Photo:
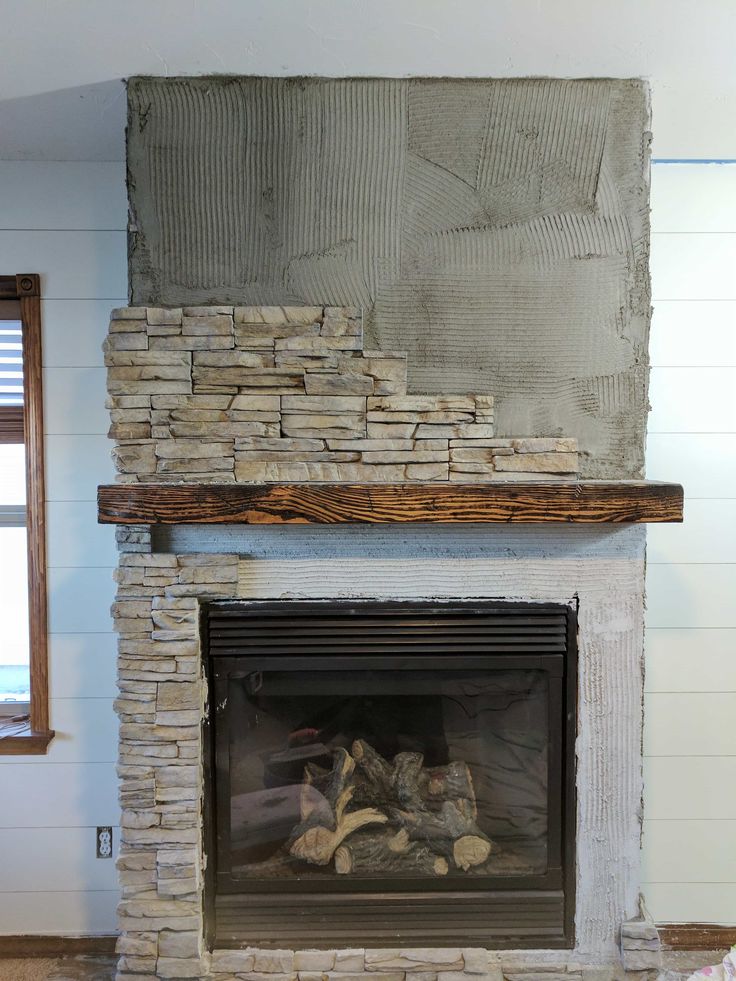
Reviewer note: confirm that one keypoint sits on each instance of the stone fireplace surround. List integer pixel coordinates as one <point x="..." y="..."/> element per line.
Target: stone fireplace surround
<point x="164" y="576"/>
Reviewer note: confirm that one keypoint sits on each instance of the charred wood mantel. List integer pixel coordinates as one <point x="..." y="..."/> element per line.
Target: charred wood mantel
<point x="573" y="501"/>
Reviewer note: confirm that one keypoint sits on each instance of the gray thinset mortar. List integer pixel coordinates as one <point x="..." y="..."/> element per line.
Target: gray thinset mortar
<point x="496" y="230"/>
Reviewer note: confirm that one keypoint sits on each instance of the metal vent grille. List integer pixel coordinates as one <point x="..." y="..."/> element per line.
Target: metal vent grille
<point x="506" y="920"/>
<point x="389" y="629"/>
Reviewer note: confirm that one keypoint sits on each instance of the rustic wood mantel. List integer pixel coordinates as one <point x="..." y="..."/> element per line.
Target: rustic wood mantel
<point x="573" y="501"/>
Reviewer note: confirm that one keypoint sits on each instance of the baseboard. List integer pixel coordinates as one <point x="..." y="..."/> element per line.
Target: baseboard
<point x="36" y="945"/>
<point x="696" y="936"/>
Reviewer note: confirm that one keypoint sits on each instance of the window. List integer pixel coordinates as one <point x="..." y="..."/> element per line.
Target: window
<point x="24" y="714"/>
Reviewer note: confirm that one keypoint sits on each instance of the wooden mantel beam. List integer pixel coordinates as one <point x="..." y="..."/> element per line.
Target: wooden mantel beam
<point x="585" y="501"/>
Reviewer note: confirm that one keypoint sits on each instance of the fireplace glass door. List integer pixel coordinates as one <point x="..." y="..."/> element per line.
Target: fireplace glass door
<point x="360" y="749"/>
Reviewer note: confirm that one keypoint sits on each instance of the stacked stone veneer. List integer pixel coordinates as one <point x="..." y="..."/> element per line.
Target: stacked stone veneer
<point x="269" y="394"/>
<point x="160" y="760"/>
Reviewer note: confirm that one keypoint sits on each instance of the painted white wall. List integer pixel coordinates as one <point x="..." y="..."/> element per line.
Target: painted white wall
<point x="54" y="883"/>
<point x="67" y="221"/>
<point x="690" y="705"/>
<point x="62" y="101"/>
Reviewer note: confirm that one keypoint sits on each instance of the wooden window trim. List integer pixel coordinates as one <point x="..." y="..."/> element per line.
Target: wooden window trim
<point x="33" y="735"/>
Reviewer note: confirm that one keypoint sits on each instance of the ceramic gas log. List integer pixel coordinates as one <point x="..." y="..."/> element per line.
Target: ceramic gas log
<point x="429" y="813"/>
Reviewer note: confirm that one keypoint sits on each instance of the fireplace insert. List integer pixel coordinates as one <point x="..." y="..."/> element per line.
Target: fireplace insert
<point x="384" y="773"/>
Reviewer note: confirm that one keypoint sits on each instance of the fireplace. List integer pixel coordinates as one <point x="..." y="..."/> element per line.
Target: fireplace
<point x="392" y="611"/>
<point x="391" y="773"/>
<point x="381" y="618"/>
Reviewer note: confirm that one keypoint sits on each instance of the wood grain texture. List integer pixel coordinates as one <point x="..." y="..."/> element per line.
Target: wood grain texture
<point x="29" y="294"/>
<point x="696" y="936"/>
<point x="33" y="945"/>
<point x="569" y="501"/>
<point x="19" y="739"/>
<point x="25" y="289"/>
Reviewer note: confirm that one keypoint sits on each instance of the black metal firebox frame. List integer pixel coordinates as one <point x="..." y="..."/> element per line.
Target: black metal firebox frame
<point x="509" y="911"/>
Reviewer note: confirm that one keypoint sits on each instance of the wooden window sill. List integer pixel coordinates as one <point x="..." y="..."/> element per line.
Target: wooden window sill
<point x="18" y="739"/>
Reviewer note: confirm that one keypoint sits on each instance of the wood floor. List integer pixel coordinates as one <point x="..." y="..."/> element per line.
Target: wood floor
<point x="79" y="968"/>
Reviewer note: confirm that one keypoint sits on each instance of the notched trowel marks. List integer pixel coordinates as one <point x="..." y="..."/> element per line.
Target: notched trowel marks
<point x="495" y="229"/>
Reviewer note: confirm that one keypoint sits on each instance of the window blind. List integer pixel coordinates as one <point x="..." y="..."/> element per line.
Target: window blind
<point x="11" y="381"/>
<point x="11" y="363"/>
<point x="12" y="516"/>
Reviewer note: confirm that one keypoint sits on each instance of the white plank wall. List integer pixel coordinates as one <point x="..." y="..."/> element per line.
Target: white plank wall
<point x="67" y="221"/>
<point x="689" y="849"/>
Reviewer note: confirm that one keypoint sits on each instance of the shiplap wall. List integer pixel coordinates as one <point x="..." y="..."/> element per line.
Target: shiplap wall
<point x="689" y="854"/>
<point x="66" y="220"/>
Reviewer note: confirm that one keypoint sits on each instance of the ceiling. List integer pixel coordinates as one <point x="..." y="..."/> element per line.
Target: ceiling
<point x="62" y="98"/>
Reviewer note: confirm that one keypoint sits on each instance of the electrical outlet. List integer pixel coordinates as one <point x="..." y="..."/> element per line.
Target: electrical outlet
<point x="104" y="842"/>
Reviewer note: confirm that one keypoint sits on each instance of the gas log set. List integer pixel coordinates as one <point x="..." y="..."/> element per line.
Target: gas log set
<point x="369" y="815"/>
